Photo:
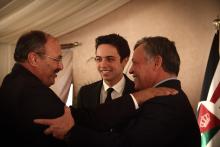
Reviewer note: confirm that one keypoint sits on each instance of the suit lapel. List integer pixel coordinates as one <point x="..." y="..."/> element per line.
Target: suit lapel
<point x="97" y="92"/>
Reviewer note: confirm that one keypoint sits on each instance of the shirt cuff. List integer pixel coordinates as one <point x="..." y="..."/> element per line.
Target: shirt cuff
<point x="135" y="102"/>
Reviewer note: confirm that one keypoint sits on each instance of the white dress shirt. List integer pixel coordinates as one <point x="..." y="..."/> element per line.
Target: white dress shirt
<point x="118" y="90"/>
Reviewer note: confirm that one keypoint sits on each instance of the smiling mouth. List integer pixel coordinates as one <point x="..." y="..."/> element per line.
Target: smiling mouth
<point x="105" y="71"/>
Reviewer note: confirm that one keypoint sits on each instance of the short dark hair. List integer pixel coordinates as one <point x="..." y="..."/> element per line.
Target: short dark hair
<point x="165" y="48"/>
<point x="29" y="42"/>
<point x="117" y="41"/>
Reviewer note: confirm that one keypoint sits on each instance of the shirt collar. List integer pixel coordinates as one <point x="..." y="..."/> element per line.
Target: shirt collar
<point x="118" y="87"/>
<point x="172" y="78"/>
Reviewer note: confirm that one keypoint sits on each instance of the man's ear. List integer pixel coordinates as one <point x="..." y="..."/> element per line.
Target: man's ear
<point x="32" y="58"/>
<point x="125" y="61"/>
<point x="158" y="62"/>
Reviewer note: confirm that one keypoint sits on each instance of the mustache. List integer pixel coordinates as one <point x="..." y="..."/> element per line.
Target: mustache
<point x="56" y="70"/>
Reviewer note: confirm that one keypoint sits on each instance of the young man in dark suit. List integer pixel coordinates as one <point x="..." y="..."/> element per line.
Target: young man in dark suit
<point x="161" y="121"/>
<point x="112" y="54"/>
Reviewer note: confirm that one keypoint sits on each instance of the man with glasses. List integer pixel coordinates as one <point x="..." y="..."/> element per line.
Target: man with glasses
<point x="25" y="92"/>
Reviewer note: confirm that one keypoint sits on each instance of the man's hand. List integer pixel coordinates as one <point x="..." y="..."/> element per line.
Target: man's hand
<point x="59" y="126"/>
<point x="146" y="94"/>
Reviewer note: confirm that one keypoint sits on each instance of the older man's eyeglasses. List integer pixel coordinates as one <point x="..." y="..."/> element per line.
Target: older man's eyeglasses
<point x="56" y="59"/>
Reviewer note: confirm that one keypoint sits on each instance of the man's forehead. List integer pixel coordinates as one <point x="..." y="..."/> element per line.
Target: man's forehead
<point x="107" y="54"/>
<point x="106" y="48"/>
<point x="138" y="53"/>
<point x="52" y="45"/>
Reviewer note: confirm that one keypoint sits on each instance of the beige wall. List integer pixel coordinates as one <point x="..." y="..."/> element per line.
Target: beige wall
<point x="6" y="59"/>
<point x="187" y="22"/>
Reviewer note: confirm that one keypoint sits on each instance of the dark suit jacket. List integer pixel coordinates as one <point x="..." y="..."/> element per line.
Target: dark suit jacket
<point x="89" y="95"/>
<point x="162" y="121"/>
<point x="89" y="98"/>
<point x="23" y="98"/>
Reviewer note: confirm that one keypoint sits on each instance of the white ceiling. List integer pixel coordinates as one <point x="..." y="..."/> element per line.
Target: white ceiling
<point x="56" y="17"/>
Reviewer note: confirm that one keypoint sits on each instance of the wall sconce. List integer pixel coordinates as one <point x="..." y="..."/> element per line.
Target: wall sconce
<point x="70" y="45"/>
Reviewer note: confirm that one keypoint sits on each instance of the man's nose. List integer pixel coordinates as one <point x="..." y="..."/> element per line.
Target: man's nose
<point x="60" y="65"/>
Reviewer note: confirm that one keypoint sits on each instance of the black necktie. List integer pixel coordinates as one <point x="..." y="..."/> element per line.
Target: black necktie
<point x="109" y="97"/>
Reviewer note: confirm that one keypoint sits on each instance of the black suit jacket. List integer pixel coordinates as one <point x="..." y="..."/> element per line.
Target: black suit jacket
<point x="89" y="98"/>
<point x="89" y="95"/>
<point x="162" y="121"/>
<point x="23" y="98"/>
